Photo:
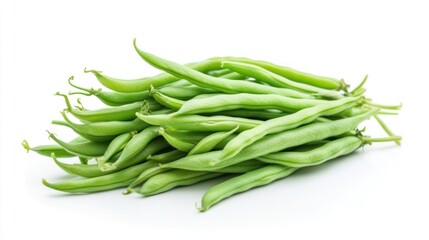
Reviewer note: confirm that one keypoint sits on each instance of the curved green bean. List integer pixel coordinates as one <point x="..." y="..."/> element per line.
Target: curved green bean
<point x="292" y="74"/>
<point x="46" y="150"/>
<point x="255" y="178"/>
<point x="142" y="84"/>
<point x="101" y="183"/>
<point x="222" y="102"/>
<point x="83" y="149"/>
<point x="165" y="181"/>
<point x="200" y="123"/>
<point x="220" y="84"/>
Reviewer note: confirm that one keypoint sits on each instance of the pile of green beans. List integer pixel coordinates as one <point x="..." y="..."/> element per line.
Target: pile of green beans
<point x="246" y="121"/>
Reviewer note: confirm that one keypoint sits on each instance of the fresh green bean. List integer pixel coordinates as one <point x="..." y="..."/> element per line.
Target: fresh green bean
<point x="137" y="143"/>
<point x="142" y="84"/>
<point x="209" y="142"/>
<point x="255" y="178"/>
<point x="318" y="155"/>
<point x="292" y="74"/>
<point x="111" y="98"/>
<point x="165" y="181"/>
<point x="251" y="114"/>
<point x="272" y="143"/>
<point x="200" y="123"/>
<point x="276" y="80"/>
<point x="83" y="149"/>
<point x="121" y="113"/>
<point x="222" y="102"/>
<point x="101" y="183"/>
<point x="110" y="128"/>
<point x="287" y="122"/>
<point x="218" y="73"/>
<point x="177" y="143"/>
<point x="220" y="84"/>
<point x="46" y="150"/>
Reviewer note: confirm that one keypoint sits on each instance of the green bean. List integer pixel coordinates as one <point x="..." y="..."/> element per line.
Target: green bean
<point x="220" y="84"/>
<point x="271" y="143"/>
<point x="83" y="149"/>
<point x="110" y="128"/>
<point x="255" y="178"/>
<point x="276" y="80"/>
<point x="142" y="84"/>
<point x="137" y="143"/>
<point x="178" y="177"/>
<point x="185" y="135"/>
<point x="287" y="122"/>
<point x="294" y="75"/>
<point x="167" y="156"/>
<point x="221" y="102"/>
<point x="116" y="146"/>
<point x="177" y="143"/>
<point x="46" y="150"/>
<point x="166" y="100"/>
<point x="234" y="76"/>
<point x="92" y="138"/>
<point x="111" y="98"/>
<point x="316" y="156"/>
<point x="209" y="142"/>
<point x="200" y="123"/>
<point x="101" y="183"/>
<point x="121" y="113"/>
<point x="93" y="170"/>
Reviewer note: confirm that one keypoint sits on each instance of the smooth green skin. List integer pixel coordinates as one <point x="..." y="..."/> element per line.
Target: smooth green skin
<point x="116" y="146"/>
<point x="90" y="171"/>
<point x="292" y="74"/>
<point x="121" y="113"/>
<point x="276" y="80"/>
<point x="165" y="100"/>
<point x="144" y="176"/>
<point x="218" y="73"/>
<point x="102" y="183"/>
<point x="177" y="143"/>
<point x="169" y="180"/>
<point x="242" y="183"/>
<point x="46" y="150"/>
<point x="210" y="142"/>
<point x="185" y="92"/>
<point x="220" y="84"/>
<point x="82" y="149"/>
<point x="137" y="143"/>
<point x="200" y="123"/>
<point x="142" y="84"/>
<point x="272" y="143"/>
<point x="304" y="116"/>
<point x="167" y="156"/>
<point x="316" y="156"/>
<point x="222" y="102"/>
<point x="102" y="129"/>
<point x="234" y="76"/>
<point x="251" y="114"/>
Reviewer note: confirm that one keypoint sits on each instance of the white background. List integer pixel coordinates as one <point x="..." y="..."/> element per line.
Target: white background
<point x="381" y="192"/>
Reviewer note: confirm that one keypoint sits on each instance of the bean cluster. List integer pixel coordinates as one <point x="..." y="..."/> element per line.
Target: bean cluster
<point x="252" y="121"/>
